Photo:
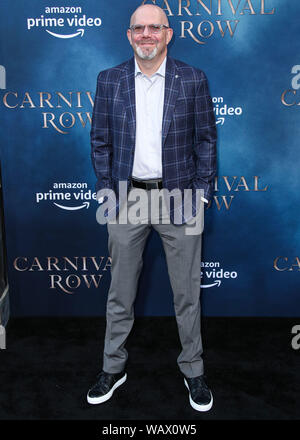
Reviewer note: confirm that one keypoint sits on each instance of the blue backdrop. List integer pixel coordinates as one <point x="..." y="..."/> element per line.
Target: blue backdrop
<point x="51" y="53"/>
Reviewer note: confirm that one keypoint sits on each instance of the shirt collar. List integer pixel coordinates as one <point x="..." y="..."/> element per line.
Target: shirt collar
<point x="161" y="70"/>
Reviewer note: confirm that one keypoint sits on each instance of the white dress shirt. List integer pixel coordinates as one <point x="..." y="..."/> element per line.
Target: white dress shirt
<point x="149" y="101"/>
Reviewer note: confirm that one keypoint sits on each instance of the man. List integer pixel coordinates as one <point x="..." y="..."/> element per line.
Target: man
<point x="153" y="127"/>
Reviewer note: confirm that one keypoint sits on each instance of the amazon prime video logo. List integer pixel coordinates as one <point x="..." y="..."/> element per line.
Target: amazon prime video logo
<point x="2" y="77"/>
<point x="63" y="21"/>
<point x="213" y="275"/>
<point x="222" y="110"/>
<point x="2" y="338"/>
<point x="69" y="196"/>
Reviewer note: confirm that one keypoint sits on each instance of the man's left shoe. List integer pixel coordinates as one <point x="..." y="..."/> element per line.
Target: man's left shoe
<point x="105" y="386"/>
<point x="201" y="398"/>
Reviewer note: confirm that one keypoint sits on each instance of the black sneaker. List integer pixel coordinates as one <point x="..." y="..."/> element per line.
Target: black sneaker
<point x="200" y="395"/>
<point x="105" y="386"/>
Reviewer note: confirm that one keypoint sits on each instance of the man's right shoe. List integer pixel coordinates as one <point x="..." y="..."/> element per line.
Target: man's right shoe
<point x="105" y="386"/>
<point x="200" y="396"/>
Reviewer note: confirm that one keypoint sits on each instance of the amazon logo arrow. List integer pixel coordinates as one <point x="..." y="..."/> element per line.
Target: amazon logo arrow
<point x="79" y="32"/>
<point x="216" y="283"/>
<point x="73" y="208"/>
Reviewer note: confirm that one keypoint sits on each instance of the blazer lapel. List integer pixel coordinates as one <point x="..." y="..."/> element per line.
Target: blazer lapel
<point x="128" y="92"/>
<point x="172" y="83"/>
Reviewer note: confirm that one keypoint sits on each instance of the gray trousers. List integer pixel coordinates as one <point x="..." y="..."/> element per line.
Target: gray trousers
<point x="183" y="254"/>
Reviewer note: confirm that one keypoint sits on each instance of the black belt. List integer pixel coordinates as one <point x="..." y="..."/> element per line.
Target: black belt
<point x="146" y="185"/>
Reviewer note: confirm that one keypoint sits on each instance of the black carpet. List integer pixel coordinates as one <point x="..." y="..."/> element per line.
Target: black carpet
<point x="50" y="363"/>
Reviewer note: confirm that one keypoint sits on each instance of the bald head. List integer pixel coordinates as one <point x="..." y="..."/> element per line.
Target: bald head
<point x="149" y="44"/>
<point x="145" y="9"/>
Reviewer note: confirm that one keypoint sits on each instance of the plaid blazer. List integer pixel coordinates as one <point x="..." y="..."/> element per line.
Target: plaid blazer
<point x="188" y="128"/>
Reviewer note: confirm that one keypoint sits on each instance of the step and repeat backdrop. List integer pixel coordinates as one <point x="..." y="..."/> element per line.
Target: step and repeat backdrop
<point x="51" y="54"/>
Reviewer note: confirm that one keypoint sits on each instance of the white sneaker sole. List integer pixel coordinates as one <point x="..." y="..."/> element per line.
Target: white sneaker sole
<point x="96" y="400"/>
<point x="195" y="405"/>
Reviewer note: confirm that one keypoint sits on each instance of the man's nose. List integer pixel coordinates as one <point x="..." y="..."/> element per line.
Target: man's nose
<point x="146" y="32"/>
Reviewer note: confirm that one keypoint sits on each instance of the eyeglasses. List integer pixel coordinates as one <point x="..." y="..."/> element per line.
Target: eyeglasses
<point x="152" y="28"/>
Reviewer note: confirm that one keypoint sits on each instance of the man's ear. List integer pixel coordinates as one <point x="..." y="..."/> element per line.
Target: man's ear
<point x="129" y="35"/>
<point x="170" y="35"/>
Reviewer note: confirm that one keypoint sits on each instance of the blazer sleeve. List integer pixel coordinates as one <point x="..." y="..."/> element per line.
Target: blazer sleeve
<point x="101" y="145"/>
<point x="205" y="139"/>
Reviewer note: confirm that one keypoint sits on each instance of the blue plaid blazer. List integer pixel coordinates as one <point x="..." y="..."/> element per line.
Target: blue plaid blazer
<point x="188" y="129"/>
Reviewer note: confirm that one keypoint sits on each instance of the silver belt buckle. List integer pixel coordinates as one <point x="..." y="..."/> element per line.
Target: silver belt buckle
<point x="152" y="185"/>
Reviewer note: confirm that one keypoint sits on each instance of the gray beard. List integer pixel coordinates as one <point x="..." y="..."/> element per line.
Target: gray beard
<point x="144" y="56"/>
